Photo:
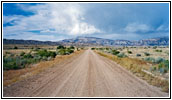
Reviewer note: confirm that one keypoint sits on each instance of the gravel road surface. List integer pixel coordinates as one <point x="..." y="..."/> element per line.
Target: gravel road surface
<point x="85" y="75"/>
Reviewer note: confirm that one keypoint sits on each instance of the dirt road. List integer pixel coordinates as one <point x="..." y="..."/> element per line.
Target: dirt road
<point x="86" y="75"/>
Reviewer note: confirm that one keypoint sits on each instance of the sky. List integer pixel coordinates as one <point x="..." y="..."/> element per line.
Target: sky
<point x="58" y="21"/>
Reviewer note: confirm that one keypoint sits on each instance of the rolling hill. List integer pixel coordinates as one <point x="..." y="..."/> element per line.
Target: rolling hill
<point x="93" y="41"/>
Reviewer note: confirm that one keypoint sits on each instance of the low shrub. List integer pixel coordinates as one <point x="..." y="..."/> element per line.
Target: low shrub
<point x="121" y="55"/>
<point x="51" y="54"/>
<point x="13" y="63"/>
<point x="101" y="48"/>
<point x="44" y="58"/>
<point x="147" y="54"/>
<point x="36" y="49"/>
<point x="158" y="50"/>
<point x="7" y="52"/>
<point x="134" y="66"/>
<point x="11" y="55"/>
<point x="163" y="67"/>
<point x="92" y="48"/>
<point x="61" y="52"/>
<point x="159" y="60"/>
<point x="69" y="51"/>
<point x="28" y="56"/>
<point x="115" y="52"/>
<point x="45" y="53"/>
<point x="149" y="59"/>
<point x="107" y="48"/>
<point x="138" y="55"/>
<point x="22" y="53"/>
<point x="15" y="47"/>
<point x="154" y="47"/>
<point x="71" y="47"/>
<point x="8" y="63"/>
<point x="18" y="62"/>
<point x="61" y="47"/>
<point x="153" y="68"/>
<point x="129" y="52"/>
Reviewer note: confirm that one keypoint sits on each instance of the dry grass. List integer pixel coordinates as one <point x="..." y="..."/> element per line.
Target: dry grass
<point x="12" y="76"/>
<point x="140" y="50"/>
<point x="136" y="66"/>
<point x="16" y="52"/>
<point x="21" y="46"/>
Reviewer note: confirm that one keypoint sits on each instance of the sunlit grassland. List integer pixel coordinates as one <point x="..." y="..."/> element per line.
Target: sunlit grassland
<point x="20" y="63"/>
<point x="139" y="67"/>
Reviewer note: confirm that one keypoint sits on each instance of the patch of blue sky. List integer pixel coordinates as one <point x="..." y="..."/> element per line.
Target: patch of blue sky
<point x="13" y="9"/>
<point x="107" y="20"/>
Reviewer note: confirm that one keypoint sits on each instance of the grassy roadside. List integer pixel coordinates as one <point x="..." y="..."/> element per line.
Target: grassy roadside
<point x="12" y="76"/>
<point x="137" y="67"/>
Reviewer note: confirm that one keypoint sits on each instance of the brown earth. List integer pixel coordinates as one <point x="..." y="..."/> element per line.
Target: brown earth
<point x="85" y="75"/>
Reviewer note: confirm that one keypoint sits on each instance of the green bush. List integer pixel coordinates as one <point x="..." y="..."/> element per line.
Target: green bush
<point x="45" y="53"/>
<point x="37" y="57"/>
<point x="121" y="55"/>
<point x="154" y="47"/>
<point x="71" y="47"/>
<point x="107" y="48"/>
<point x="52" y="54"/>
<point x="60" y="47"/>
<point x="15" y="47"/>
<point x="129" y="52"/>
<point x="11" y="55"/>
<point x="69" y="51"/>
<point x="158" y="50"/>
<point x="150" y="59"/>
<point x="18" y="62"/>
<point x="22" y="53"/>
<point x="138" y="55"/>
<point x="165" y="63"/>
<point x="115" y="52"/>
<point x="65" y="51"/>
<point x="12" y="63"/>
<point x="159" y="60"/>
<point x="44" y="58"/>
<point x="153" y="68"/>
<point x="28" y="56"/>
<point x="147" y="54"/>
<point x="101" y="48"/>
<point x="62" y="52"/>
<point x="92" y="48"/>
<point x="162" y="67"/>
<point x="7" y="52"/>
<point x="42" y="53"/>
<point x="36" y="49"/>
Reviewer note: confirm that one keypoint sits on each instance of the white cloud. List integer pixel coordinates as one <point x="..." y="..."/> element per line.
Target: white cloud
<point x="31" y="36"/>
<point x="162" y="28"/>
<point x="51" y="18"/>
<point x="83" y="28"/>
<point x="12" y="19"/>
<point x="136" y="27"/>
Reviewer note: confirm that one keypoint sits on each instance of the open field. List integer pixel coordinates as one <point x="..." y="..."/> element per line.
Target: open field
<point x="154" y="57"/>
<point x="155" y="52"/>
<point x="84" y="75"/>
<point x="22" y="62"/>
<point x="69" y="69"/>
<point x="12" y="76"/>
<point x="149" y="63"/>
